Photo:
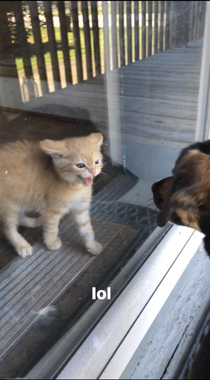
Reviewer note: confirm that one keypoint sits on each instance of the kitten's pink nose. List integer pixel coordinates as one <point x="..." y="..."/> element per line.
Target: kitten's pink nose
<point x="93" y="172"/>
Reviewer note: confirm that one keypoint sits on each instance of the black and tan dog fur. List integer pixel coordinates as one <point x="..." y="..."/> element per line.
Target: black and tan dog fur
<point x="184" y="198"/>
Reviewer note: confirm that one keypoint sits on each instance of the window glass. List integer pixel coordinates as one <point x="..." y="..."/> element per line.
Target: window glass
<point x="128" y="70"/>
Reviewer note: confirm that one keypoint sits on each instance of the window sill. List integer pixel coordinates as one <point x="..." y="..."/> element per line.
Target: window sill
<point x="111" y="344"/>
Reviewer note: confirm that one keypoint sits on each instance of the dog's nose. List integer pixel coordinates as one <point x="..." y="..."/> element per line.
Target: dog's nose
<point x="161" y="222"/>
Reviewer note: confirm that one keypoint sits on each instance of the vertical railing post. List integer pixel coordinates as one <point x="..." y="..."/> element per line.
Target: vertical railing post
<point x="129" y="35"/>
<point x="156" y="27"/>
<point x="106" y="36"/>
<point x="136" y="15"/>
<point x="52" y="44"/>
<point x="38" y="45"/>
<point x="167" y="32"/>
<point x="77" y="42"/>
<point x="86" y="26"/>
<point x="161" y="24"/>
<point x="122" y="33"/>
<point x="94" y="12"/>
<point x="191" y="20"/>
<point x="64" y="41"/>
<point x="114" y="35"/>
<point x="149" y="28"/>
<point x="143" y="29"/>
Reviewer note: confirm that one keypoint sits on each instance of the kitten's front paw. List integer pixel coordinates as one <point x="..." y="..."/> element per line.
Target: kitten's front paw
<point x="54" y="244"/>
<point x="95" y="248"/>
<point x="24" y="250"/>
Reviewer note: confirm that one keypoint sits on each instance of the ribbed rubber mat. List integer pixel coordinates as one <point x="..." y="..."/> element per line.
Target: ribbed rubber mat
<point x="29" y="285"/>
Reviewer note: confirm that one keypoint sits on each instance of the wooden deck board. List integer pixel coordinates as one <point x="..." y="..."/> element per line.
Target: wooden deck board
<point x="155" y="97"/>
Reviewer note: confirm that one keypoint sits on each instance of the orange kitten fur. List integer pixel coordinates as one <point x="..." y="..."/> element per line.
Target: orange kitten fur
<point x="51" y="177"/>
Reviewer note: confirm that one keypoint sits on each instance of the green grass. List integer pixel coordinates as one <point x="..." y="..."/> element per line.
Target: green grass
<point x="100" y="11"/>
<point x="19" y="61"/>
<point x="47" y="56"/>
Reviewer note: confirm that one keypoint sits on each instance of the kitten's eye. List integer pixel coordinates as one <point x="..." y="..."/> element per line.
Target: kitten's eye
<point x="80" y="166"/>
<point x="97" y="162"/>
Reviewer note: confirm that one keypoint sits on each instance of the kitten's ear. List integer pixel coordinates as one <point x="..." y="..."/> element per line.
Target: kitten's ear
<point x="54" y="149"/>
<point x="96" y="138"/>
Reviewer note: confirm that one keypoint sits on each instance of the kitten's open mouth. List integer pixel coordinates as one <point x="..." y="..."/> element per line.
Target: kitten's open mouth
<point x="86" y="181"/>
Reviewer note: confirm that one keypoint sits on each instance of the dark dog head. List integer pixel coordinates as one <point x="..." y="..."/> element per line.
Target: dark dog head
<point x="184" y="198"/>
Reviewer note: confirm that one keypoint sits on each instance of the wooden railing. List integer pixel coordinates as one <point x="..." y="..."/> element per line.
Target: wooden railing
<point x="60" y="43"/>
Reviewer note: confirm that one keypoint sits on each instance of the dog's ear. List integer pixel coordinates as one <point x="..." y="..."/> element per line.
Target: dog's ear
<point x="207" y="244"/>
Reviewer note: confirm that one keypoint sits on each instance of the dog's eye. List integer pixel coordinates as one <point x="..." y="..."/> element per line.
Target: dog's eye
<point x="80" y="166"/>
<point x="201" y="207"/>
<point x="97" y="162"/>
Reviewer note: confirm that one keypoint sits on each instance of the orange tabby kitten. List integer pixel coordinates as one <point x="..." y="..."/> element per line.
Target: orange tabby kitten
<point x="51" y="177"/>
